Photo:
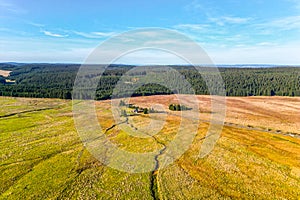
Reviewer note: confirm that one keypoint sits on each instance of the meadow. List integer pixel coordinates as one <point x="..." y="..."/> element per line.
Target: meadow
<point x="42" y="156"/>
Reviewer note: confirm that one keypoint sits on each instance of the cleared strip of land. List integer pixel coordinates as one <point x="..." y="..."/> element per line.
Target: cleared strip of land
<point x="5" y="73"/>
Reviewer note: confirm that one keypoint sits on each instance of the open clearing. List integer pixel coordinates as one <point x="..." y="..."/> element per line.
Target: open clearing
<point x="5" y="73"/>
<point x="42" y="156"/>
<point x="275" y="113"/>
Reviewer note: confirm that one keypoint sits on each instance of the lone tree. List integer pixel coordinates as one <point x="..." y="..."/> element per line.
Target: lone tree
<point x="146" y="111"/>
<point x="172" y="107"/>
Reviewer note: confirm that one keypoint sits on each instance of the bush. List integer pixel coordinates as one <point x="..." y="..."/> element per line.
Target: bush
<point x="146" y="111"/>
<point x="178" y="107"/>
<point x="172" y="107"/>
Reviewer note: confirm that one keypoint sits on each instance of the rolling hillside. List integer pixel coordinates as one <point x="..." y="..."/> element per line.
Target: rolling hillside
<point x="42" y="156"/>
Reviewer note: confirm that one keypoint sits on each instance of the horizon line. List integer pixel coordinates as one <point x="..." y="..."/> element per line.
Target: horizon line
<point x="155" y="64"/>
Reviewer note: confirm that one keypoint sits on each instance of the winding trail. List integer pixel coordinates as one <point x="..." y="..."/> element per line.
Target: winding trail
<point x="114" y="125"/>
<point x="154" y="182"/>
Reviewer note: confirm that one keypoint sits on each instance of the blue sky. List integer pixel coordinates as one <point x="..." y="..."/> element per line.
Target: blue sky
<point x="230" y="31"/>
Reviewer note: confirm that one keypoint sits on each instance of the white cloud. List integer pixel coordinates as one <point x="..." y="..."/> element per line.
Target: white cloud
<point x="194" y="5"/>
<point x="283" y="24"/>
<point x="168" y="42"/>
<point x="296" y="3"/>
<point x="74" y="55"/>
<point x="259" y="54"/>
<point x="266" y="44"/>
<point x="150" y="57"/>
<point x="236" y="20"/>
<point x="147" y="34"/>
<point x="10" y="7"/>
<point x="193" y="27"/>
<point x="93" y="35"/>
<point x="34" y="24"/>
<point x="86" y="35"/>
<point x="221" y="21"/>
<point x="48" y="33"/>
<point x="103" y="34"/>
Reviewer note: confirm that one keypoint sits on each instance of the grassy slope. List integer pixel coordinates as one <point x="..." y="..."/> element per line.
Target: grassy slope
<point x="42" y="158"/>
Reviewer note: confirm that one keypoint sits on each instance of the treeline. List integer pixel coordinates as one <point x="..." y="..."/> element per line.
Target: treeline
<point x="278" y="81"/>
<point x="57" y="80"/>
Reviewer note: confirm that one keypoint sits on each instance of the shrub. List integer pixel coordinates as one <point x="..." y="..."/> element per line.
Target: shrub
<point x="178" y="107"/>
<point x="146" y="111"/>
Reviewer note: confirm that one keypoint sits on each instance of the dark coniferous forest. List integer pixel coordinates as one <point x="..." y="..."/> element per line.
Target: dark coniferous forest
<point x="56" y="81"/>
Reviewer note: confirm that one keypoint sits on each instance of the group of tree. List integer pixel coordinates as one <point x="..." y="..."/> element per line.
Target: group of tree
<point x="178" y="107"/>
<point x="135" y="108"/>
<point x="57" y="81"/>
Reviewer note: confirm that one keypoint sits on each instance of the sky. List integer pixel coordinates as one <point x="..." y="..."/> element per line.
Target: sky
<point x="229" y="31"/>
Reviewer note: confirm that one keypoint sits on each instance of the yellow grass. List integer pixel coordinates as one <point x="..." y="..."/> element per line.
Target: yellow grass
<point x="275" y="113"/>
<point x="42" y="156"/>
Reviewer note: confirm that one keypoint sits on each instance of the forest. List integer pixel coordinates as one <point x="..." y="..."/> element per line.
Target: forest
<point x="57" y="80"/>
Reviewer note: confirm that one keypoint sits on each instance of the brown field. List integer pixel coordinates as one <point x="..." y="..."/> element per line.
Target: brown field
<point x="273" y="113"/>
<point x="5" y="73"/>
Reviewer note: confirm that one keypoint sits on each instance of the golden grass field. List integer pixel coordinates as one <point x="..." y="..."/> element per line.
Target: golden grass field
<point x="42" y="156"/>
<point x="277" y="113"/>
